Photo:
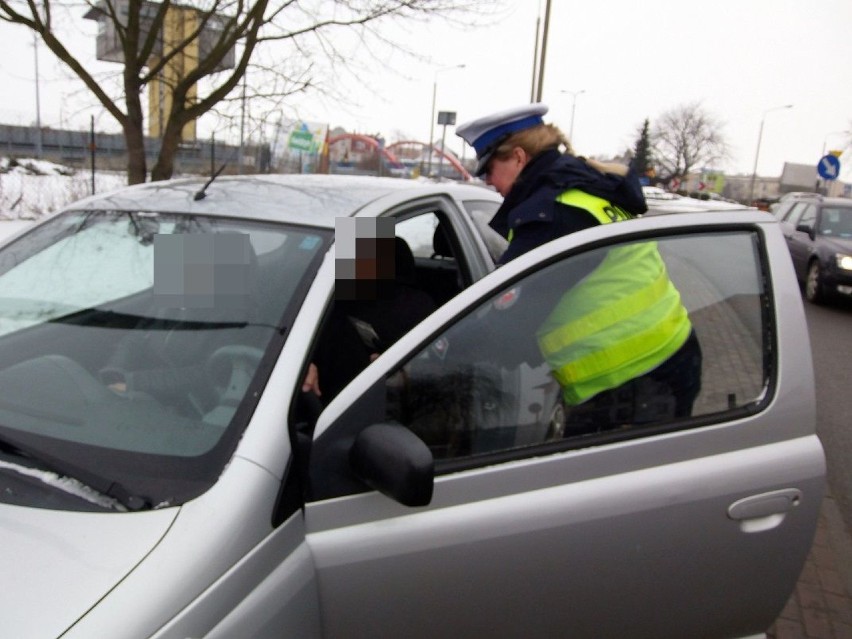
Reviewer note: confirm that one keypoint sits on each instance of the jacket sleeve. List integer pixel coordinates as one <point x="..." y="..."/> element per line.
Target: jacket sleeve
<point x="628" y="194"/>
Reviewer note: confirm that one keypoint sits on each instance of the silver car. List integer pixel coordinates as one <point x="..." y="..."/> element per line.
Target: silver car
<point x="166" y="472"/>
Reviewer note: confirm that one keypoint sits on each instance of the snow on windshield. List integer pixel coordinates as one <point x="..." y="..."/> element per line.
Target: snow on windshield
<point x="108" y="262"/>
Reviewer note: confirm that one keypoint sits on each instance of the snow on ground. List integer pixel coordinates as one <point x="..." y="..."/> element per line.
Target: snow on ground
<point x="31" y="189"/>
<point x="9" y="228"/>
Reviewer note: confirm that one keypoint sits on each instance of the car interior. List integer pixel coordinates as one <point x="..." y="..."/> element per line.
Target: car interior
<point x="356" y="330"/>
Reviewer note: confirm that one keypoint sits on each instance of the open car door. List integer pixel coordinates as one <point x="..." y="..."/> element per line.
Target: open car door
<point x="524" y="522"/>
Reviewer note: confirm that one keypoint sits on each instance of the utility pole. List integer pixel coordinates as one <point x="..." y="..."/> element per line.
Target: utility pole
<point x="535" y="60"/>
<point x="540" y="83"/>
<point x="38" y="101"/>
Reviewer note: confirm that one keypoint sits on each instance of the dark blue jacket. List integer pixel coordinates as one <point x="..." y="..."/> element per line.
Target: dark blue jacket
<point x="532" y="213"/>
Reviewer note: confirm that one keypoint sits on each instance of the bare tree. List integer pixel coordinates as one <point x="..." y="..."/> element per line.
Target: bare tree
<point x="684" y="138"/>
<point x="200" y="50"/>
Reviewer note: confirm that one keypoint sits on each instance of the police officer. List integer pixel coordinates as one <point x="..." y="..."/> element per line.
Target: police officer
<point x="636" y="358"/>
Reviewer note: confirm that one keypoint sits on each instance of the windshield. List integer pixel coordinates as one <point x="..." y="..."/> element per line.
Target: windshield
<point x="132" y="344"/>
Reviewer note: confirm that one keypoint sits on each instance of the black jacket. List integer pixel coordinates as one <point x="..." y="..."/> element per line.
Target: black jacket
<point x="532" y="213"/>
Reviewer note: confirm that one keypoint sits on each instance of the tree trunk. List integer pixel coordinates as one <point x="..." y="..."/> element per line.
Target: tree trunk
<point x="134" y="133"/>
<point x="165" y="165"/>
<point x="137" y="169"/>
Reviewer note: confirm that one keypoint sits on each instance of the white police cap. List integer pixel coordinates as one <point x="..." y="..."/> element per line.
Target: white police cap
<point x="487" y="133"/>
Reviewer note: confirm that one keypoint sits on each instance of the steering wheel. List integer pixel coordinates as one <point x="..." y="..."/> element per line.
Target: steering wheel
<point x="230" y="370"/>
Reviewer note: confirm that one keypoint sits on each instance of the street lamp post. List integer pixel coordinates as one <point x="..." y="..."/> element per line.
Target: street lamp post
<point x="573" y="95"/>
<point x="432" y="118"/>
<point x="757" y="151"/>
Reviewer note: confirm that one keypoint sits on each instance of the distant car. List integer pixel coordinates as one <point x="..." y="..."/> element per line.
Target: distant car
<point x="775" y="203"/>
<point x="710" y="195"/>
<point x="164" y="475"/>
<point x="818" y="231"/>
<point x="798" y="195"/>
<point x="660" y="201"/>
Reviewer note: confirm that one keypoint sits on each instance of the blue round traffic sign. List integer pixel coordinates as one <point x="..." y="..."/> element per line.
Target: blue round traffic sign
<point x="828" y="167"/>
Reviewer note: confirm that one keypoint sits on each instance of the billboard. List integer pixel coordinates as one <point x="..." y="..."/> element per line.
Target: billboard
<point x="298" y="136"/>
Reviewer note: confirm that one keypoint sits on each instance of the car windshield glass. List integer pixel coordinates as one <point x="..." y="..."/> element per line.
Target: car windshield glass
<point x="133" y="345"/>
<point x="836" y="221"/>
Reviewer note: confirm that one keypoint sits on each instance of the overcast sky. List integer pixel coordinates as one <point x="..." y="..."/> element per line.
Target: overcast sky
<point x="632" y="60"/>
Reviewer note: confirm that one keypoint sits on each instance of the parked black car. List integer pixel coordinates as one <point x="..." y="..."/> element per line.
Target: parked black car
<point x="818" y="231"/>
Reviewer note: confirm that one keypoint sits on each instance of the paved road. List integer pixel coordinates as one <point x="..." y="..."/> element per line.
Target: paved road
<point x="821" y="606"/>
<point x="831" y="342"/>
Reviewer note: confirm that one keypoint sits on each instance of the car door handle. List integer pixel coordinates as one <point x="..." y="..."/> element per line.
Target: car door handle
<point x="765" y="511"/>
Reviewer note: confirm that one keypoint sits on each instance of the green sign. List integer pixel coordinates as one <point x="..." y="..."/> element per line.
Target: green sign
<point x="301" y="141"/>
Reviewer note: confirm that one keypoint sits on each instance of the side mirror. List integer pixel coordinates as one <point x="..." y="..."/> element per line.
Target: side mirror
<point x="806" y="228"/>
<point x="393" y="460"/>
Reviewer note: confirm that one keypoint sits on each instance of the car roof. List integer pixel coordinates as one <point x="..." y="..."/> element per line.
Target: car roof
<point x="295" y="198"/>
<point x="798" y="195"/>
<point x="836" y="201"/>
<point x="820" y="200"/>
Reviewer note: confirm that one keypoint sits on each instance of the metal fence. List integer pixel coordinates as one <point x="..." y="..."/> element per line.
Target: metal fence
<point x="72" y="148"/>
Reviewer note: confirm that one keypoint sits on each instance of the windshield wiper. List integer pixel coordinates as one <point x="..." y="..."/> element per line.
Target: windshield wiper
<point x="113" y="319"/>
<point x="65" y="476"/>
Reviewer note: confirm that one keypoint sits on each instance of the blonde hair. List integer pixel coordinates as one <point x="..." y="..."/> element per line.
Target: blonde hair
<point x="535" y="140"/>
<point x="547" y="136"/>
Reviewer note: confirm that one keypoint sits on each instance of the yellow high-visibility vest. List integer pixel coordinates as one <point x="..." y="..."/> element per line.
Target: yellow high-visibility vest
<point x="622" y="320"/>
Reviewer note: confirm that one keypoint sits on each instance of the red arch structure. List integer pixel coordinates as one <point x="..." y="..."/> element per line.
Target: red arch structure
<point x="450" y="158"/>
<point x="389" y="156"/>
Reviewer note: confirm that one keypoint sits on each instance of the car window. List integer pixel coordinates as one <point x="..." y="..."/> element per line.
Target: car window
<point x="482" y="211"/>
<point x="418" y="232"/>
<point x="808" y="215"/>
<point x="442" y="264"/>
<point x="796" y="210"/>
<point x="488" y="385"/>
<point x="782" y="210"/>
<point x="836" y="221"/>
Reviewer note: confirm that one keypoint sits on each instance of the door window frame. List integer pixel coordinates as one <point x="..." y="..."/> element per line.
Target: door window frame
<point x="335" y="432"/>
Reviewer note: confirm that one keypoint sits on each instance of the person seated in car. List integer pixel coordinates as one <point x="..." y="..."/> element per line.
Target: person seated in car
<point x="371" y="312"/>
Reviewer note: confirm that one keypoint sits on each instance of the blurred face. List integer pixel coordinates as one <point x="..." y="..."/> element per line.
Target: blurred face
<point x="502" y="172"/>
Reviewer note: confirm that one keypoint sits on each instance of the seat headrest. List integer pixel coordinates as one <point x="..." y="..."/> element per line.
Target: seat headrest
<point x="406" y="270"/>
<point x="441" y="246"/>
